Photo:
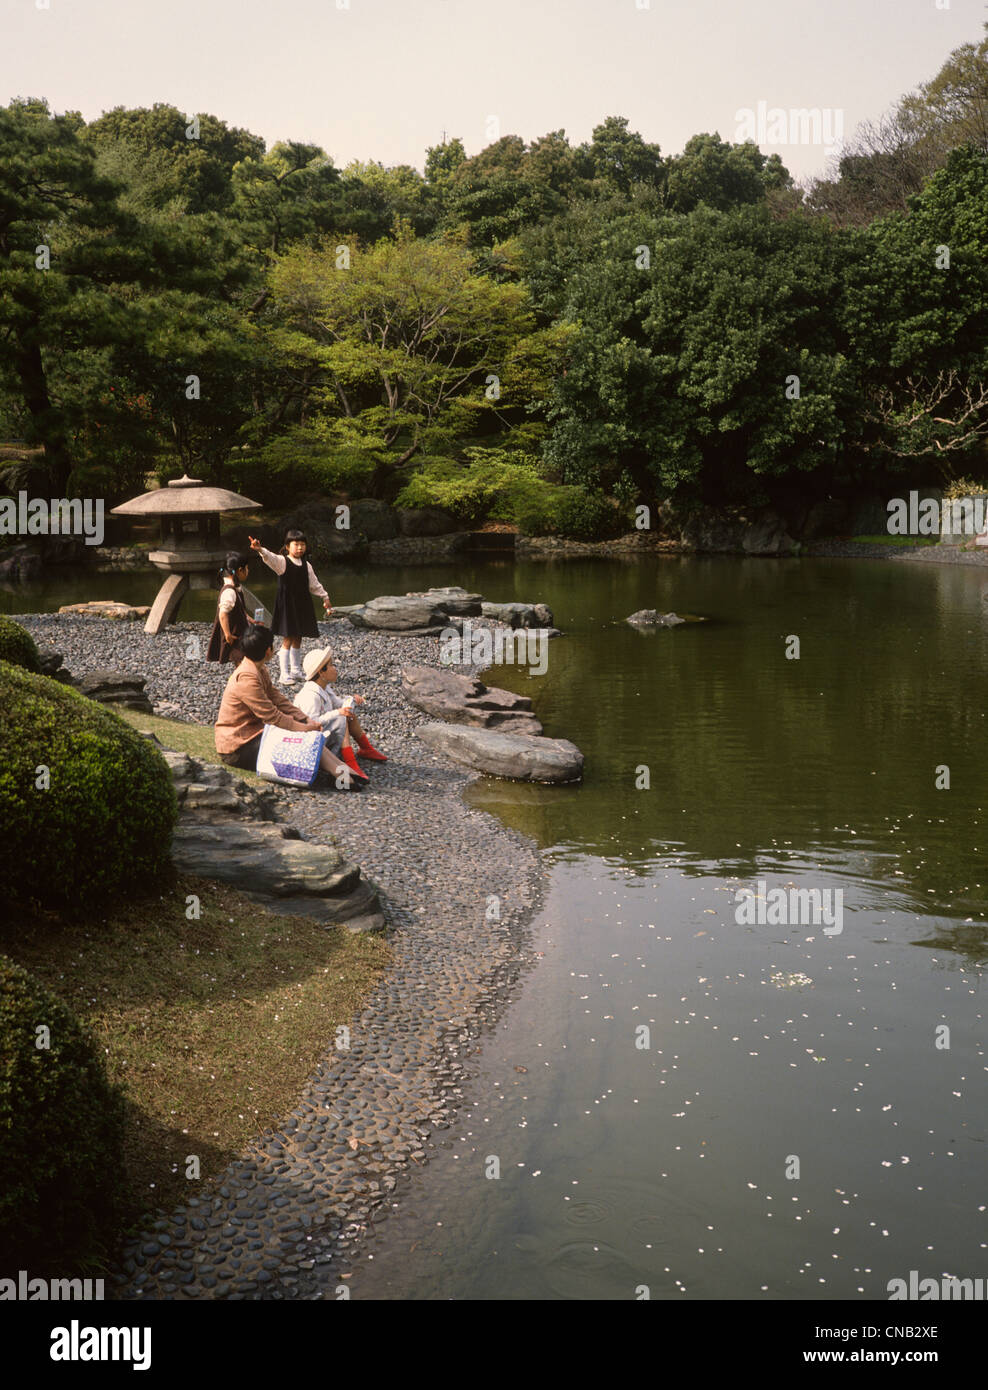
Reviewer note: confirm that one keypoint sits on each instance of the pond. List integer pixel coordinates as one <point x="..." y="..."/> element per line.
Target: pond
<point x="691" y="1095"/>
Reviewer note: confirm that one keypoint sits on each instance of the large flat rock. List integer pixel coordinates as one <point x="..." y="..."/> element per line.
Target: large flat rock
<point x="269" y="863"/>
<point x="116" y="688"/>
<point x="107" y="608"/>
<point x="416" y="614"/>
<point x="520" y="757"/>
<point x="452" y="599"/>
<point x="396" y="613"/>
<point x="464" y="700"/>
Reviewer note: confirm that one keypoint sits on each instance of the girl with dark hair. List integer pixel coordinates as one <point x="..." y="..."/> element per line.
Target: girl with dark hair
<point x="293" y="617"/>
<point x="232" y="619"/>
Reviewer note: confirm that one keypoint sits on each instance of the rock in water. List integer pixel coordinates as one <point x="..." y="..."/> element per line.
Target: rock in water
<point x="453" y="599"/>
<point x="415" y="614"/>
<point x="651" y="617"/>
<point x="463" y="700"/>
<point x="519" y="614"/>
<point x="519" y="757"/>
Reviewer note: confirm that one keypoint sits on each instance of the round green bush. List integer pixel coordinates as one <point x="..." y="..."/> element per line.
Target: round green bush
<point x="87" y="806"/>
<point x="583" y="515"/>
<point x="61" y="1133"/>
<point x="17" y="645"/>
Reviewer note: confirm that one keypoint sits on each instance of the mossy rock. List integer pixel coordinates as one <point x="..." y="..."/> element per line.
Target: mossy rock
<point x="17" y="645"/>
<point x="62" y="1178"/>
<point x="87" y="805"/>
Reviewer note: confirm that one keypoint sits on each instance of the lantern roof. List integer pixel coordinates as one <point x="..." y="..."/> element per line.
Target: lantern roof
<point x="185" y="496"/>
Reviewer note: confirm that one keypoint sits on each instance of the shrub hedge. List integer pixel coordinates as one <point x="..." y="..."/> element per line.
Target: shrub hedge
<point x="61" y="1133"/>
<point x="102" y="823"/>
<point x="17" y="645"/>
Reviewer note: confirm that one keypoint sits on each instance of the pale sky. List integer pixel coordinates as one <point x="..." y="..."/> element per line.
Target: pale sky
<point x="382" y="79"/>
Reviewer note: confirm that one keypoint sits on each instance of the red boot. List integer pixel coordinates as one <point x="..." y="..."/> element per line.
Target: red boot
<point x="366" y="749"/>
<point x="349" y="757"/>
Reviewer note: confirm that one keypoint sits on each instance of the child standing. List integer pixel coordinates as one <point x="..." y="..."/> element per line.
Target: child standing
<point x="232" y="618"/>
<point x="293" y="618"/>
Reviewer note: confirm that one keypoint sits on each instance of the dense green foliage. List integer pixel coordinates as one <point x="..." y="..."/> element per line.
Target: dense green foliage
<point x="81" y="794"/>
<point x="647" y="325"/>
<point x="61" y="1134"/>
<point x="493" y="485"/>
<point x="17" y="645"/>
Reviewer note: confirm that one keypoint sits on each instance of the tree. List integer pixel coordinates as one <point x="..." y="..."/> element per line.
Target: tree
<point x="408" y="345"/>
<point x="400" y="192"/>
<point x="917" y="286"/>
<point x="66" y="249"/>
<point x="442" y="162"/>
<point x="888" y="161"/>
<point x="287" y="195"/>
<point x="621" y="157"/>
<point x="709" y="365"/>
<point x="164" y="155"/>
<point x="721" y="175"/>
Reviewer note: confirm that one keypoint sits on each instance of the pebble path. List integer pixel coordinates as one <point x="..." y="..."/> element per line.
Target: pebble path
<point x="284" y="1220"/>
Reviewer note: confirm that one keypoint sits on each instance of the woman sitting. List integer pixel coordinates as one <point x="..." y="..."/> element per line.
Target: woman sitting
<point x="250" y="701"/>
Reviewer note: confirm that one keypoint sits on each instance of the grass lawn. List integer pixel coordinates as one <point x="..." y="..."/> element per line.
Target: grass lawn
<point x="211" y="1023"/>
<point x="194" y="739"/>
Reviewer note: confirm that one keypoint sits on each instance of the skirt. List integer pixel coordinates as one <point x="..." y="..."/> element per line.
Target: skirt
<point x="293" y="614"/>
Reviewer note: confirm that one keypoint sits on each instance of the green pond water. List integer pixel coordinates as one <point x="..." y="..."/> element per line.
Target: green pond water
<point x="667" y="1160"/>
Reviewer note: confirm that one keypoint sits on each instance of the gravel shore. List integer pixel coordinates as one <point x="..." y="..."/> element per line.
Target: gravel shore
<point x="283" y="1220"/>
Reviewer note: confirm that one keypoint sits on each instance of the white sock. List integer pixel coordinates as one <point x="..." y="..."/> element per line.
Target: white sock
<point x="283" y="663"/>
<point x="296" y="658"/>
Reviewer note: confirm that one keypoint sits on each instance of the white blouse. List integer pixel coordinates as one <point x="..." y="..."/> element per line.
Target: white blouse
<point x="279" y="564"/>
<point x="228" y="597"/>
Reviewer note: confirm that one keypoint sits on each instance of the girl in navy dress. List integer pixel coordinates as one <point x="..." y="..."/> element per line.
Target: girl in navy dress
<point x="232" y="618"/>
<point x="293" y="618"/>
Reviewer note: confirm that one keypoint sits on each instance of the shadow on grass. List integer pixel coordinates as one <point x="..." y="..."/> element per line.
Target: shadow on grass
<point x="210" y="1012"/>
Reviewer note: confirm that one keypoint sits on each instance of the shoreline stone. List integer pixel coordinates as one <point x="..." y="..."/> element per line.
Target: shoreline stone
<point x="517" y="757"/>
<point x="465" y="700"/>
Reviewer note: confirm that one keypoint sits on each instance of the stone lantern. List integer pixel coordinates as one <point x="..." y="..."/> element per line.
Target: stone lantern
<point x="191" y="550"/>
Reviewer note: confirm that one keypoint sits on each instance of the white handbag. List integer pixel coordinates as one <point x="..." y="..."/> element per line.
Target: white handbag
<point x="290" y="756"/>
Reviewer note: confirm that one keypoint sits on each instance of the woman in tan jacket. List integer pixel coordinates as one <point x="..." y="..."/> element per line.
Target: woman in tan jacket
<point x="250" y="701"/>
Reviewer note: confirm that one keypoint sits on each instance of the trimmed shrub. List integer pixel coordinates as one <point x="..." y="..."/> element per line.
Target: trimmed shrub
<point x="61" y="1133"/>
<point x="500" y="486"/>
<point x="102" y="824"/>
<point x="587" y="516"/>
<point x="17" y="645"/>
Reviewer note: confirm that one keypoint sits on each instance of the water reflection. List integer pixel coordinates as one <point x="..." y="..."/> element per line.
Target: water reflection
<point x="669" y="1166"/>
